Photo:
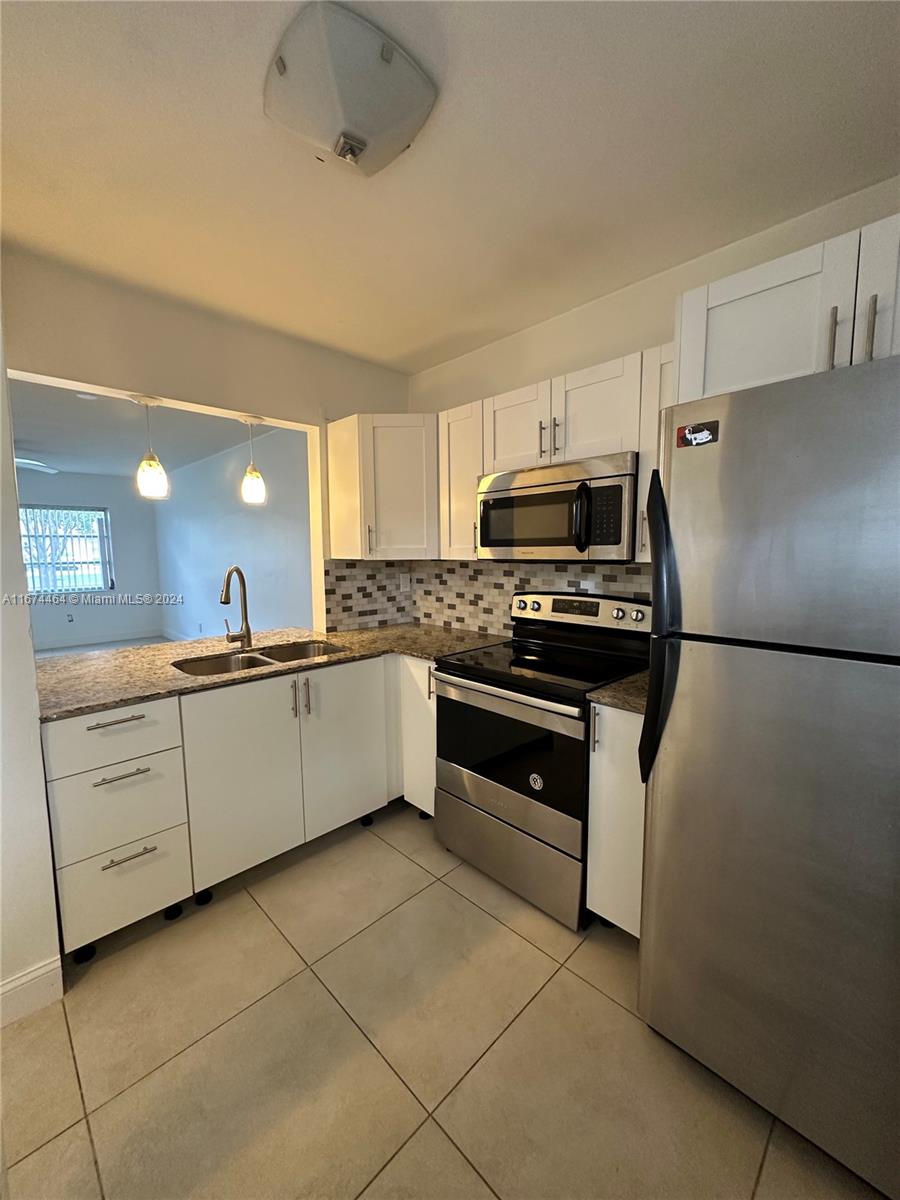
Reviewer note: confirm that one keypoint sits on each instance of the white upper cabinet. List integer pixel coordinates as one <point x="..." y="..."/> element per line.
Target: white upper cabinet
<point x="343" y="734"/>
<point x="517" y="429"/>
<point x="383" y="486"/>
<point x="597" y="410"/>
<point x="876" y="333"/>
<point x="461" y="458"/>
<point x="242" y="761"/>
<point x="657" y="393"/>
<point x="785" y="318"/>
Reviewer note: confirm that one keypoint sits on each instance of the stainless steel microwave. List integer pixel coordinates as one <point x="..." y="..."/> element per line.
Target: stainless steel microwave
<point x="580" y="510"/>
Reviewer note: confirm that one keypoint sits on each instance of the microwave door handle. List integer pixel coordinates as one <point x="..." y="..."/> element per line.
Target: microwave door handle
<point x="581" y="517"/>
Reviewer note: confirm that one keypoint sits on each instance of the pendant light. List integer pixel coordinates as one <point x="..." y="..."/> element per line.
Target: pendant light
<point x="253" y="486"/>
<point x="152" y="480"/>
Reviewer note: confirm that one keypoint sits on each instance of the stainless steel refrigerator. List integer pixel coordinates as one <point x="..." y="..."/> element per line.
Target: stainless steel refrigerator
<point x="770" y="937"/>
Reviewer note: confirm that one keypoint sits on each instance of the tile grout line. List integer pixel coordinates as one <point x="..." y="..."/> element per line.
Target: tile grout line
<point x="312" y="970"/>
<point x="385" y="1165"/>
<point x="87" y="1123"/>
<point x="494" y="1041"/>
<point x="47" y="1141"/>
<point x="374" y="921"/>
<point x="762" y="1161"/>
<point x="371" y="829"/>
<point x="196" y="1041"/>
<point x="605" y="995"/>
<point x="560" y="961"/>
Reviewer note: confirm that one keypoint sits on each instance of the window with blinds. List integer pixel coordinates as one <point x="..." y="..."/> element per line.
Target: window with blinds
<point x="66" y="549"/>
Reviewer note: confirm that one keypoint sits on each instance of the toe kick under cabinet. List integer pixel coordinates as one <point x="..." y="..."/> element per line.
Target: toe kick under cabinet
<point x="115" y="789"/>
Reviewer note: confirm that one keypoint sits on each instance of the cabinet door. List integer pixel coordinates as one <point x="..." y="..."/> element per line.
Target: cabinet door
<point x="418" y="731"/>
<point x="344" y="494"/>
<point x="657" y="392"/>
<point x="615" y="857"/>
<point x="461" y="461"/>
<point x="517" y="429"/>
<point x="770" y="322"/>
<point x="343" y="733"/>
<point x="597" y="410"/>
<point x="878" y="292"/>
<point x="400" y="485"/>
<point x="242" y="760"/>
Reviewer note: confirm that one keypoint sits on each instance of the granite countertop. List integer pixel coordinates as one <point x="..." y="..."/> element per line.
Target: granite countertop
<point x="70" y="685"/>
<point x="73" y="684"/>
<point x="629" y="694"/>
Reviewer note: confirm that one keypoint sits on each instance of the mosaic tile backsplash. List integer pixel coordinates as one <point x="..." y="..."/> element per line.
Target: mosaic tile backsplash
<point x="472" y="595"/>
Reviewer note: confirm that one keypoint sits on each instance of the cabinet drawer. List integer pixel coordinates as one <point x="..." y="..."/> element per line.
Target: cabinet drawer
<point x="95" y="898"/>
<point x="110" y="806"/>
<point x="98" y="739"/>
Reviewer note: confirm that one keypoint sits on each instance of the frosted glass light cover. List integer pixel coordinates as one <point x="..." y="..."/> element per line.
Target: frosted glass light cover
<point x="152" y="480"/>
<point x="335" y="75"/>
<point x="253" y="487"/>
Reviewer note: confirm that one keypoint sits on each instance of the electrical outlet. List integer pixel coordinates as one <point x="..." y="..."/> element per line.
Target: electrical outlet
<point x="405" y="584"/>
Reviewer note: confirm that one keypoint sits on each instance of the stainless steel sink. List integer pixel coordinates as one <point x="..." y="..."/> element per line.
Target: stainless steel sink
<point x="222" y="664"/>
<point x="295" y="651"/>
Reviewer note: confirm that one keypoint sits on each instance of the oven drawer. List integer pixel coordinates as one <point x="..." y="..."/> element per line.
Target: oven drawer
<point x="91" y="812"/>
<point x="546" y="877"/>
<point x="119" y="886"/>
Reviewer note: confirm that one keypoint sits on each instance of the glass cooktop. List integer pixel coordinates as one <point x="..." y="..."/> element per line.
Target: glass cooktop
<point x="550" y="671"/>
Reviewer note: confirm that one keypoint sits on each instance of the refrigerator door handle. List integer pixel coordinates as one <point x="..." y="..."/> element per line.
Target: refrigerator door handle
<point x="666" y="615"/>
<point x="664" y="655"/>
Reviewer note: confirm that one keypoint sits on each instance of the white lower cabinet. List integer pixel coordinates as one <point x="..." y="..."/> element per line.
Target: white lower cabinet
<point x="418" y="726"/>
<point x="242" y="758"/>
<point x="103" y="893"/>
<point x="615" y="857"/>
<point x="343" y="736"/>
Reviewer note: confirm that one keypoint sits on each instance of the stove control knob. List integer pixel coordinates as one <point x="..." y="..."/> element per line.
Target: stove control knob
<point x="618" y="614"/>
<point x="521" y="604"/>
<point x="637" y="615"/>
<point x="536" y="606"/>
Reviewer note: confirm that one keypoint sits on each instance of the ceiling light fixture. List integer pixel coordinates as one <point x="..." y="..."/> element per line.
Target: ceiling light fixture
<point x="152" y="480"/>
<point x="347" y="89"/>
<point x="253" y="486"/>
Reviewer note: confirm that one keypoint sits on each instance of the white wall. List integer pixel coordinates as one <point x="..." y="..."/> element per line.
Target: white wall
<point x="132" y="523"/>
<point x="204" y="527"/>
<point x="30" y="973"/>
<point x="637" y="316"/>
<point x="71" y="324"/>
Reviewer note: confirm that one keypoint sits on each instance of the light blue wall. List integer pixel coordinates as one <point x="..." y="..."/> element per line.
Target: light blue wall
<point x="204" y="527"/>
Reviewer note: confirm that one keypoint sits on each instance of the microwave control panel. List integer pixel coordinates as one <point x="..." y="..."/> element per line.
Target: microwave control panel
<point x="606" y="515"/>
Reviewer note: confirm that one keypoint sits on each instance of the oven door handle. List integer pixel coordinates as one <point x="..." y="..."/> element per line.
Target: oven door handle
<point x="581" y="517"/>
<point x="558" y="718"/>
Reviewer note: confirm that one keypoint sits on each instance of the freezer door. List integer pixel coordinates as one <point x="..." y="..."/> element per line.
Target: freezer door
<point x="770" y="937"/>
<point x="784" y="513"/>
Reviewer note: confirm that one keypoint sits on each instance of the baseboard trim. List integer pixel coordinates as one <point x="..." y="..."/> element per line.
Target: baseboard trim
<point x="30" y="990"/>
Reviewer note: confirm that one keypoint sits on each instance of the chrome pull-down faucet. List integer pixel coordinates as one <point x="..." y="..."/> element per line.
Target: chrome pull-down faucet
<point x="244" y="635"/>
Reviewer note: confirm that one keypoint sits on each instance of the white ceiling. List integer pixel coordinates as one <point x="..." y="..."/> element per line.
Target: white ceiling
<point x="574" y="148"/>
<point x="104" y="435"/>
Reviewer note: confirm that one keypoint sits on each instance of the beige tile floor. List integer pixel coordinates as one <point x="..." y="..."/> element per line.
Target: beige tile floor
<point x="367" y="1017"/>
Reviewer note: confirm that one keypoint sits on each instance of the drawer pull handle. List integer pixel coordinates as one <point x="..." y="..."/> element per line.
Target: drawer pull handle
<point x="127" y="775"/>
<point x="118" y="721"/>
<point x="870" y="327"/>
<point x="832" y="338"/>
<point x="117" y="862"/>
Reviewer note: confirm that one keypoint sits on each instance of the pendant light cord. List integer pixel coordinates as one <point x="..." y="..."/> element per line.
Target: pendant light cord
<point x="149" y="439"/>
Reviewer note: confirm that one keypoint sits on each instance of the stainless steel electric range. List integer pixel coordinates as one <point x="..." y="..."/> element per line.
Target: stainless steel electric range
<point x="512" y="745"/>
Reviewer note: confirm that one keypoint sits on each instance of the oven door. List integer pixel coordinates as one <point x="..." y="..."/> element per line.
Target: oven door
<point x="519" y="758"/>
<point x="546" y="522"/>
